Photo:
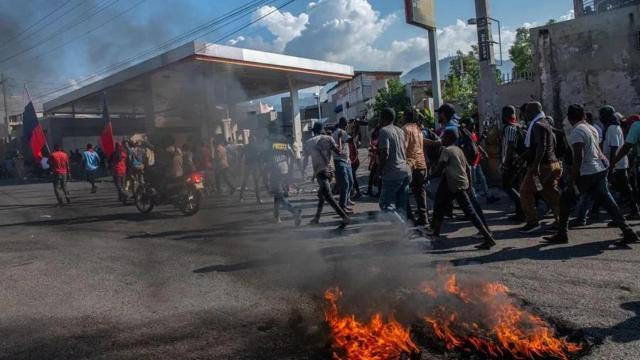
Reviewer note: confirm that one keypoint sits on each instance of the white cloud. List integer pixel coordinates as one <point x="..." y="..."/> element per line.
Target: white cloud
<point x="570" y="15"/>
<point x="346" y="31"/>
<point x="237" y="40"/>
<point x="283" y="25"/>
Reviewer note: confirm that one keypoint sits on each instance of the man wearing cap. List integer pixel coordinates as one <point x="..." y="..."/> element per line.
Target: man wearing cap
<point x="393" y="164"/>
<point x="511" y="132"/>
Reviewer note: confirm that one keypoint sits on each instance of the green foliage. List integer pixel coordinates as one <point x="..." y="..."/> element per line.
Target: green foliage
<point x="393" y="96"/>
<point x="427" y="117"/>
<point x="521" y="53"/>
<point x="461" y="86"/>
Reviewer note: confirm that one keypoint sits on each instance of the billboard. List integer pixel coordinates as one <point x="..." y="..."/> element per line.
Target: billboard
<point x="421" y="13"/>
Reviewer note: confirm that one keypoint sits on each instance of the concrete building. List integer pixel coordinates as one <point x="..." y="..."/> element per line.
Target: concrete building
<point x="353" y="97"/>
<point x="592" y="7"/>
<point x="591" y="60"/>
<point x="190" y="92"/>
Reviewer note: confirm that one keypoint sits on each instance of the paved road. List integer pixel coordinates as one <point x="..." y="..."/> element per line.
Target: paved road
<point x="96" y="280"/>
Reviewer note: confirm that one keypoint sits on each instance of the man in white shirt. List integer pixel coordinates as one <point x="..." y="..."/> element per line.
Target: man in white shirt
<point x="614" y="140"/>
<point x="589" y="176"/>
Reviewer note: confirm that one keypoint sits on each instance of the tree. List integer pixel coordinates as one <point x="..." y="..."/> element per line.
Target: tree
<point x="520" y="53"/>
<point x="461" y="86"/>
<point x="393" y="96"/>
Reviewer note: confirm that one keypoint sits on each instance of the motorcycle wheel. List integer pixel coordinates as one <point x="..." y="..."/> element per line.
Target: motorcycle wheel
<point x="144" y="202"/>
<point x="190" y="202"/>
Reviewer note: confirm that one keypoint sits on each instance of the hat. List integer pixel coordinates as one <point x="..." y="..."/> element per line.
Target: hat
<point x="607" y="112"/>
<point x="446" y="109"/>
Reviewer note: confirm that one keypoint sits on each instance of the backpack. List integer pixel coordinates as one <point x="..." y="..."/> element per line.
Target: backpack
<point x="468" y="146"/>
<point x="561" y="144"/>
<point x="521" y="136"/>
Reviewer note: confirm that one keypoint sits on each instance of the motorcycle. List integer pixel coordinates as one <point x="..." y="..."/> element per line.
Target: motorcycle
<point x="186" y="195"/>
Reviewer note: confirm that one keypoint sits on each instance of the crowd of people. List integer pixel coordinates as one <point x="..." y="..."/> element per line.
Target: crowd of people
<point x="583" y="163"/>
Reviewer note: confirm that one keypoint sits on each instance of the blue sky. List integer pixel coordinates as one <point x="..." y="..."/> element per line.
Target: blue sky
<point x="369" y="34"/>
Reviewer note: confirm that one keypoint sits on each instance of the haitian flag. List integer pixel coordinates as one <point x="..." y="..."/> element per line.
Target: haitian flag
<point x="106" y="137"/>
<point x="32" y="131"/>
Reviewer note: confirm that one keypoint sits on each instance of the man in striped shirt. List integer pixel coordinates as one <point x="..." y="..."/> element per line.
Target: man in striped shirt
<point x="510" y="134"/>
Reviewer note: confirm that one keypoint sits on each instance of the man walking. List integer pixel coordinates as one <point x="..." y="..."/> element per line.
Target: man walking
<point x="619" y="172"/>
<point x="91" y="162"/>
<point x="280" y="163"/>
<point x="320" y="148"/>
<point x="342" y="162"/>
<point x="588" y="176"/>
<point x="544" y="170"/>
<point x="455" y="185"/>
<point x="61" y="170"/>
<point x="251" y="162"/>
<point x="511" y="135"/>
<point x="393" y="164"/>
<point x="417" y="164"/>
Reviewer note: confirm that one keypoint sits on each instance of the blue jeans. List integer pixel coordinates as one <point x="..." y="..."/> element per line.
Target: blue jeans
<point x="344" y="179"/>
<point x="395" y="192"/>
<point x="480" y="181"/>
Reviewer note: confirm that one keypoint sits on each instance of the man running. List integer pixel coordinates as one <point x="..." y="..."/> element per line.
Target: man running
<point x="321" y="148"/>
<point x="61" y="170"/>
<point x="280" y="163"/>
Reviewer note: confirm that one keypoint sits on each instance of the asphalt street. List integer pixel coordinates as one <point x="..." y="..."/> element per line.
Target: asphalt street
<point x="98" y="280"/>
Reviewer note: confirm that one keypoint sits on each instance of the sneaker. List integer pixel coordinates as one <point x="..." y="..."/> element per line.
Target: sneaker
<point x="613" y="224"/>
<point x="350" y="203"/>
<point x="345" y="222"/>
<point x="298" y="219"/>
<point x="529" y="228"/>
<point x="629" y="238"/>
<point x="347" y="210"/>
<point x="558" y="238"/>
<point x="486" y="245"/>
<point x="575" y="223"/>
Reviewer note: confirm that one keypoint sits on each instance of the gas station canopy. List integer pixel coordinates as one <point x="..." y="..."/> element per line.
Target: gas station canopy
<point x="192" y="79"/>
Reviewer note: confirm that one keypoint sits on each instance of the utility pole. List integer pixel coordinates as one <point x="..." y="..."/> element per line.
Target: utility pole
<point x="435" y="68"/>
<point x="487" y="87"/>
<point x="6" y="109"/>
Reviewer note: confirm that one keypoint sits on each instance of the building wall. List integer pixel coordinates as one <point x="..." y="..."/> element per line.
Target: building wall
<point x="354" y="95"/>
<point x="592" y="60"/>
<point x="518" y="92"/>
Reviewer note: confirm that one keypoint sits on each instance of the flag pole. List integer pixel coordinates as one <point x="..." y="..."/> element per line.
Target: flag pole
<point x="28" y="99"/>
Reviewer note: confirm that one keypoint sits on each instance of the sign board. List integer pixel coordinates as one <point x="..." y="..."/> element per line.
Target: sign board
<point x="421" y="13"/>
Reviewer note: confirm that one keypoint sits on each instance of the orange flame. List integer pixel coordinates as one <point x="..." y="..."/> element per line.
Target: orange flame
<point x="354" y="340"/>
<point x="481" y="317"/>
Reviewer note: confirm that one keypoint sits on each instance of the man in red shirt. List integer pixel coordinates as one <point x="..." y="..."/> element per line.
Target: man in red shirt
<point x="60" y="166"/>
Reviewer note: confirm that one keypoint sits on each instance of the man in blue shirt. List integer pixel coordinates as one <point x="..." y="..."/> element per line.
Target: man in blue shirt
<point x="91" y="161"/>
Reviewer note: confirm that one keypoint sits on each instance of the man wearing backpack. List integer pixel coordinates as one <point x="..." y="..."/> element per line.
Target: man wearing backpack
<point x="543" y="171"/>
<point x="513" y="136"/>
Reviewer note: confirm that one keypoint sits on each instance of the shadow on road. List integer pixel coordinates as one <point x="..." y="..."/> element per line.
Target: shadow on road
<point x="624" y="332"/>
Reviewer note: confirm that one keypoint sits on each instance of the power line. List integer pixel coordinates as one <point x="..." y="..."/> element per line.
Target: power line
<point x="60" y="31"/>
<point x="241" y="11"/>
<point x="56" y="19"/>
<point x="35" y="23"/>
